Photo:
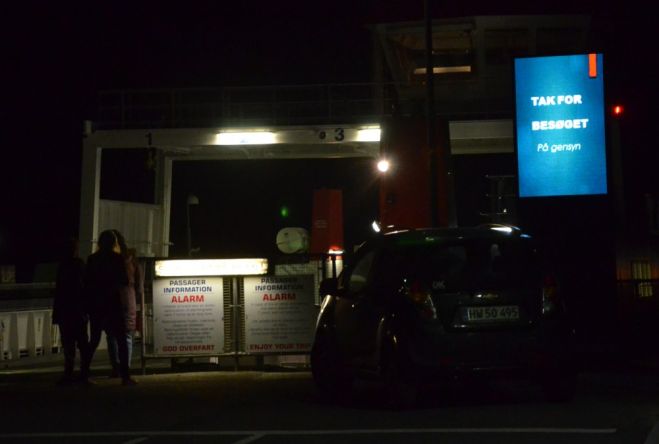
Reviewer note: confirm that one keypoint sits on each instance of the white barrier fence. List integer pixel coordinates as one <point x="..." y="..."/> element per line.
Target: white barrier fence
<point x="29" y="334"/>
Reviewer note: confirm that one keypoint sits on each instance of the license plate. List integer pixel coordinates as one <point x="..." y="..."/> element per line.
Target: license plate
<point x="488" y="314"/>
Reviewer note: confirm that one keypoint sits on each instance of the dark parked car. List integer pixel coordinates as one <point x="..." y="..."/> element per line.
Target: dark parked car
<point x="422" y="306"/>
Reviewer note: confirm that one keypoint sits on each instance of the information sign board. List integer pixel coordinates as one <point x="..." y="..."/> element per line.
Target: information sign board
<point x="188" y="316"/>
<point x="280" y="314"/>
<point x="560" y="125"/>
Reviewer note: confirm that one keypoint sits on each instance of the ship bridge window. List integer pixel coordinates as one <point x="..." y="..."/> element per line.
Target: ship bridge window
<point x="452" y="53"/>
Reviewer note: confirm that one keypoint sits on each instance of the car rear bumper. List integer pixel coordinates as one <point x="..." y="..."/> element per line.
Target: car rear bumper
<point x="519" y="352"/>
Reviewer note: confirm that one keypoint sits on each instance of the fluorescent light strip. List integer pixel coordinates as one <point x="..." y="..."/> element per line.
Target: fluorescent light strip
<point x="211" y="267"/>
<point x="369" y="135"/>
<point x="247" y="138"/>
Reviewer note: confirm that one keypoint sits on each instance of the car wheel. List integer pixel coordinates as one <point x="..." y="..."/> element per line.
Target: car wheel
<point x="559" y="386"/>
<point x="330" y="378"/>
<point x="400" y="391"/>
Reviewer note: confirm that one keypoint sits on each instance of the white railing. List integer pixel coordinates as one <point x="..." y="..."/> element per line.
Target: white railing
<point x="27" y="333"/>
<point x="26" y="322"/>
<point x="270" y="104"/>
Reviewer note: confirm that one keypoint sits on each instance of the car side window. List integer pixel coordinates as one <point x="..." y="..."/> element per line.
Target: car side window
<point x="359" y="277"/>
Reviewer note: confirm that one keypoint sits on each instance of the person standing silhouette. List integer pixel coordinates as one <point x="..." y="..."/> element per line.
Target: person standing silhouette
<point x="105" y="277"/>
<point x="69" y="312"/>
<point x="129" y="297"/>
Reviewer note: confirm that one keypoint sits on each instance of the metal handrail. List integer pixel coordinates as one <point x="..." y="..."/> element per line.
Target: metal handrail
<point x="276" y="104"/>
<point x="28" y="286"/>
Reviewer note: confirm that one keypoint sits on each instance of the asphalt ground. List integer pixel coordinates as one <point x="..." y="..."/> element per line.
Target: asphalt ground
<point x="194" y="402"/>
<point x="591" y="358"/>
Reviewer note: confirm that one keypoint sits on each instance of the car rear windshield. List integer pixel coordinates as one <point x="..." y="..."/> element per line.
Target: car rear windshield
<point x="464" y="265"/>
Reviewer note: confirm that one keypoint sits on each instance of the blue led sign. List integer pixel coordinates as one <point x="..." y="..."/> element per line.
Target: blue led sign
<point x="560" y="125"/>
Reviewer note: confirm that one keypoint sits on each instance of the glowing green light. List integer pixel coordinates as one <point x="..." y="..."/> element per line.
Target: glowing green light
<point x="283" y="211"/>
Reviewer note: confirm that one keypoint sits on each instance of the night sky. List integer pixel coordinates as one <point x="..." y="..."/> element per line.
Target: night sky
<point x="58" y="55"/>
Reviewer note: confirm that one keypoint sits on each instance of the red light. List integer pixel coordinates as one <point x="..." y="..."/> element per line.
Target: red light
<point x="420" y="296"/>
<point x="335" y="251"/>
<point x="417" y="292"/>
<point x="618" y="110"/>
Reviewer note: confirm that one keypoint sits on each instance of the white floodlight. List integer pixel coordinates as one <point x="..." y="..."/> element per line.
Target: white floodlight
<point x="376" y="226"/>
<point x="383" y="165"/>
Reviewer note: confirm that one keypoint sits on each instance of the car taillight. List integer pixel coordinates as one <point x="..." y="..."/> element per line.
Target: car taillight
<point x="550" y="302"/>
<point x="419" y="294"/>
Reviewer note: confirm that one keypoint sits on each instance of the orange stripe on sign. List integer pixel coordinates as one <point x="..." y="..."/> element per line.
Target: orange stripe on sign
<point x="592" y="65"/>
